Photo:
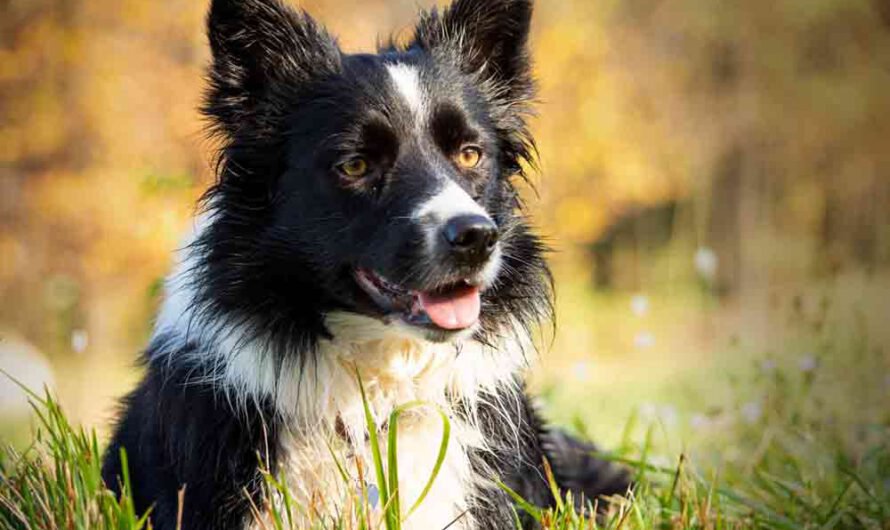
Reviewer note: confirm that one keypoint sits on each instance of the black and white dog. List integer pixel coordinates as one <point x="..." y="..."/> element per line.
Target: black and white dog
<point x="365" y="220"/>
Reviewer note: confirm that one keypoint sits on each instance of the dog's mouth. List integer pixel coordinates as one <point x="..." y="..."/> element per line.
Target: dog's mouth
<point x="450" y="307"/>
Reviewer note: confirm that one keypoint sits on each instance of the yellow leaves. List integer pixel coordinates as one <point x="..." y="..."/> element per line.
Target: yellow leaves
<point x="113" y="225"/>
<point x="579" y="218"/>
<point x="12" y="257"/>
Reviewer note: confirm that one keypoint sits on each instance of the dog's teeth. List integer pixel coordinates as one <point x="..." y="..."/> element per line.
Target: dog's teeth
<point x="416" y="306"/>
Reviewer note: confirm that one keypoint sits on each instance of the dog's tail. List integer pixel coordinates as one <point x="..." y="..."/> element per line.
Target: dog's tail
<point x="576" y="467"/>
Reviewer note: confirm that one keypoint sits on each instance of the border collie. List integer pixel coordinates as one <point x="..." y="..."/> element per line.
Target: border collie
<point x="365" y="221"/>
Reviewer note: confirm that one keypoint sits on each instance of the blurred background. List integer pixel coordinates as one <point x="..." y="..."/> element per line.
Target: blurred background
<point x="715" y="183"/>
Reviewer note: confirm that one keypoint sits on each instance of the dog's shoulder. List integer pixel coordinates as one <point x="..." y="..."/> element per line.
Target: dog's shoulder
<point x="181" y="441"/>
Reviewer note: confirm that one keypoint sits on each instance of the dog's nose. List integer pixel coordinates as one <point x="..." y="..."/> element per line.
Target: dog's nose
<point x="471" y="236"/>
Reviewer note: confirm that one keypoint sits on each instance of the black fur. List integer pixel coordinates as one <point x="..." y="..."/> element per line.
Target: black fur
<point x="290" y="229"/>
<point x="180" y="435"/>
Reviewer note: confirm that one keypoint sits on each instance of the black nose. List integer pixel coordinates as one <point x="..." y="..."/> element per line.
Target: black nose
<point x="472" y="236"/>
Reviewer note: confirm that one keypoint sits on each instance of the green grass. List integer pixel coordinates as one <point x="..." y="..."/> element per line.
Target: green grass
<point x="56" y="483"/>
<point x="786" y="443"/>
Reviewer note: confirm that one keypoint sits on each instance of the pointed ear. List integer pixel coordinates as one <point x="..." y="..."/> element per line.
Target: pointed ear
<point x="261" y="50"/>
<point x="487" y="37"/>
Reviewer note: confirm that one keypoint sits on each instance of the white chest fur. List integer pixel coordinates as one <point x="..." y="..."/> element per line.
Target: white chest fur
<point x="328" y="424"/>
<point x="314" y="478"/>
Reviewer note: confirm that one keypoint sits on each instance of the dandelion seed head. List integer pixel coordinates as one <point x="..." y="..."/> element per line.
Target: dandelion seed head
<point x="668" y="415"/>
<point x="699" y="422"/>
<point x="706" y="263"/>
<point x="752" y="412"/>
<point x="581" y="370"/>
<point x="80" y="339"/>
<point x="808" y="363"/>
<point x="639" y="305"/>
<point x="648" y="411"/>
<point x="644" y="340"/>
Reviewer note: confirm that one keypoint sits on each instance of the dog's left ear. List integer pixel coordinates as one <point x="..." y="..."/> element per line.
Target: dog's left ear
<point x="489" y="38"/>
<point x="263" y="50"/>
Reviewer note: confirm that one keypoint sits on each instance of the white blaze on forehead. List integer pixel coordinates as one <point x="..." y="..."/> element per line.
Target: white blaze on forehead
<point x="449" y="202"/>
<point x="406" y="79"/>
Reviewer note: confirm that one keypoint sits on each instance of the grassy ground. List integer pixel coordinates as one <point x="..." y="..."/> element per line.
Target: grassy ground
<point x="782" y="426"/>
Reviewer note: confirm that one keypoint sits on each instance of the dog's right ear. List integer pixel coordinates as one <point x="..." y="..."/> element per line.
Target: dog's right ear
<point x="263" y="52"/>
<point x="489" y="38"/>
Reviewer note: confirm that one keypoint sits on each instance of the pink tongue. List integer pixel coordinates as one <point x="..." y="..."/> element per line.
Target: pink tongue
<point x="458" y="309"/>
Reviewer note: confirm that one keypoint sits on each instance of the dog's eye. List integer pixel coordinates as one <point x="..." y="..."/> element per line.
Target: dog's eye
<point x="469" y="157"/>
<point x="354" y="167"/>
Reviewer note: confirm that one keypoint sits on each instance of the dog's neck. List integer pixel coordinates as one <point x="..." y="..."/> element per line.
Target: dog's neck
<point x="312" y="388"/>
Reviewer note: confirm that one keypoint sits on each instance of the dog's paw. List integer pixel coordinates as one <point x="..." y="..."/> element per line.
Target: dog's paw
<point x="576" y="467"/>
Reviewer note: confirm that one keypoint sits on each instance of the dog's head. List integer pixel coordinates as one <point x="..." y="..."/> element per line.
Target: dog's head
<point x="377" y="184"/>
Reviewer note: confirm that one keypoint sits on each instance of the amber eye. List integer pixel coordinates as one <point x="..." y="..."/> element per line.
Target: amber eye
<point x="354" y="167"/>
<point x="469" y="157"/>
